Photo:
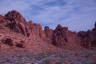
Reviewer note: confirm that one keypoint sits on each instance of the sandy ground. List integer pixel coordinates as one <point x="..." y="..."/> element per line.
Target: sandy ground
<point x="58" y="57"/>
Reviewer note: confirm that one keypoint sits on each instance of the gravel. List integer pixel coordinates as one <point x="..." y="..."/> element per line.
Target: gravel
<point x="63" y="57"/>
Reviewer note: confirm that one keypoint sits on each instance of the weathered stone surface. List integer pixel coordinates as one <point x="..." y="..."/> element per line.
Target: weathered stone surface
<point x="62" y="37"/>
<point x="59" y="36"/>
<point x="24" y="42"/>
<point x="24" y="34"/>
<point x="88" y="39"/>
<point x="16" y="22"/>
<point x="48" y="33"/>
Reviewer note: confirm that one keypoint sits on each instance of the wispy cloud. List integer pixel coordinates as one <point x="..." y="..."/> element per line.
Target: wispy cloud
<point x="76" y="14"/>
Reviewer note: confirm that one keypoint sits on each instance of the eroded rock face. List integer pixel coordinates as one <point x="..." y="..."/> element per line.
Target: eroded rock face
<point x="15" y="26"/>
<point x="59" y="36"/>
<point x="49" y="34"/>
<point x="11" y="42"/>
<point x="16" y="22"/>
<point x="62" y="37"/>
<point x="15" y="16"/>
<point x="88" y="39"/>
<point x="24" y="34"/>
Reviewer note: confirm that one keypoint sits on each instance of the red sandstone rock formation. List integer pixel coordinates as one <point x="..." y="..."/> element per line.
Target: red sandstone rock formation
<point x="62" y="37"/>
<point x="16" y="32"/>
<point x="88" y="39"/>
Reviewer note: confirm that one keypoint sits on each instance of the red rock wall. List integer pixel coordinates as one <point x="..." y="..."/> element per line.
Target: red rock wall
<point x="26" y="34"/>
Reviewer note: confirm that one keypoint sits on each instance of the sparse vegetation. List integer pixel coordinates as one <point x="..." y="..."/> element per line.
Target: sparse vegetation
<point x="60" y="57"/>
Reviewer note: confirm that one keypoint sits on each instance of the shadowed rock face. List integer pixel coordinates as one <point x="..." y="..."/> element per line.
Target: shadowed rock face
<point x="8" y="41"/>
<point x="88" y="39"/>
<point x="16" y="22"/>
<point x="17" y="29"/>
<point x="49" y="34"/>
<point x="62" y="37"/>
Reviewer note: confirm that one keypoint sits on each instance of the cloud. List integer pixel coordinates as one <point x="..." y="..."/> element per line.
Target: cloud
<point x="76" y="14"/>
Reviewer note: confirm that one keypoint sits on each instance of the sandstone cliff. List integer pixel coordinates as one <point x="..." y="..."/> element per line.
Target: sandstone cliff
<point x="16" y="32"/>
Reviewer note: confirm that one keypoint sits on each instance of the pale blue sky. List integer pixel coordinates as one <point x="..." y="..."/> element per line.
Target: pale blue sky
<point x="76" y="14"/>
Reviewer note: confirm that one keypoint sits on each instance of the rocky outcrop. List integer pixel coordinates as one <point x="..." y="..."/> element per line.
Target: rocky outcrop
<point x="12" y="42"/>
<point x="62" y="37"/>
<point x="88" y="39"/>
<point x="27" y="34"/>
<point x="59" y="36"/>
<point x="21" y="33"/>
<point x="48" y="33"/>
<point x="16" y="22"/>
